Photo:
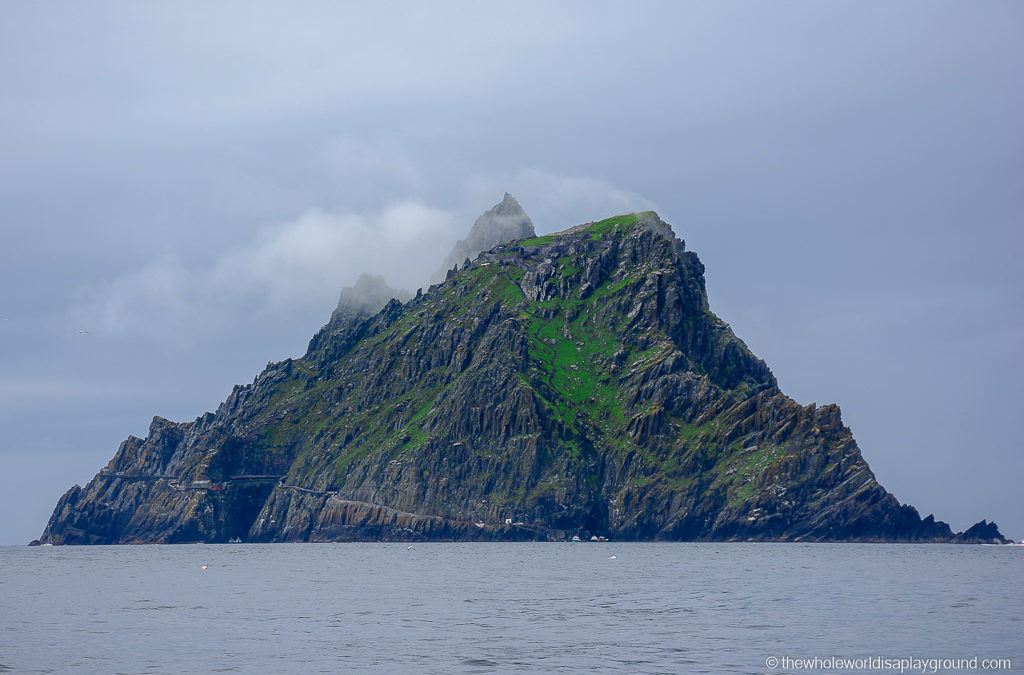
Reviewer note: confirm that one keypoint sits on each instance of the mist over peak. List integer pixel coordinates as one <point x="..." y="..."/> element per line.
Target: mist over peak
<point x="367" y="296"/>
<point x="504" y="222"/>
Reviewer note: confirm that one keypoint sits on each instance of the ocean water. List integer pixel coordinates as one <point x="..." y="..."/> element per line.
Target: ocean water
<point x="481" y="608"/>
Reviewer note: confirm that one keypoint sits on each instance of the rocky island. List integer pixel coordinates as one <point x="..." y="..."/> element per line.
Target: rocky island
<point x="571" y="384"/>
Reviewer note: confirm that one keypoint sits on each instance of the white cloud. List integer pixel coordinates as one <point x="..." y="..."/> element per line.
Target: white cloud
<point x="296" y="268"/>
<point x="284" y="269"/>
<point x="557" y="201"/>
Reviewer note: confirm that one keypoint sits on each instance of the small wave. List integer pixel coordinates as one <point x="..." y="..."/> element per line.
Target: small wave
<point x="149" y="609"/>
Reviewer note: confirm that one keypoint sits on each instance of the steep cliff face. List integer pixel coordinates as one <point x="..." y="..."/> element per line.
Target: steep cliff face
<point x="568" y="384"/>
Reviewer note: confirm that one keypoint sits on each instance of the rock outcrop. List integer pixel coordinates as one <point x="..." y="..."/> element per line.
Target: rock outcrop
<point x="504" y="222"/>
<point x="366" y="297"/>
<point x="569" y="384"/>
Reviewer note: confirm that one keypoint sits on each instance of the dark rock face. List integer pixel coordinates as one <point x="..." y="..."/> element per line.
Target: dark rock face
<point x="984" y="532"/>
<point x="570" y="384"/>
<point x="504" y="222"/>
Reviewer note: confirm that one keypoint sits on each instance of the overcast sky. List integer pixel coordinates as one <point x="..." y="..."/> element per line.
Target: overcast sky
<point x="192" y="185"/>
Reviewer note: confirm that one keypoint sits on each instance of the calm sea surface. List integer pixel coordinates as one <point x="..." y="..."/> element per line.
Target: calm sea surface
<point x="479" y="608"/>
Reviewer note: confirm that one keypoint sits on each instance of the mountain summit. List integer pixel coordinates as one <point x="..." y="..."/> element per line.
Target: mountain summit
<point x="366" y="297"/>
<point x="504" y="222"/>
<point x="572" y="384"/>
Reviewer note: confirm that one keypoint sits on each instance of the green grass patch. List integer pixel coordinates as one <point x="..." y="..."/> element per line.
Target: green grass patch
<point x="571" y="341"/>
<point x="613" y="287"/>
<point x="689" y="433"/>
<point x="740" y="468"/>
<point x="347" y="459"/>
<point x="569" y="355"/>
<point x="567" y="266"/>
<point x="538" y="241"/>
<point x="615" y="224"/>
<point x="648" y="355"/>
<point x="510" y="292"/>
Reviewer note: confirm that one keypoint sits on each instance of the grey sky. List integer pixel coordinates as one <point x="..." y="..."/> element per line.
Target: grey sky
<point x="193" y="186"/>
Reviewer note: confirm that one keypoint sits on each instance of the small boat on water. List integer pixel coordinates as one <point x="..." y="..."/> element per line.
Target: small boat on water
<point x="575" y="537"/>
<point x="236" y="540"/>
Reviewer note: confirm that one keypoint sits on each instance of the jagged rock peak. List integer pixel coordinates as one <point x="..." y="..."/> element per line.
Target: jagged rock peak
<point x="367" y="296"/>
<point x="983" y="531"/>
<point x="504" y="222"/>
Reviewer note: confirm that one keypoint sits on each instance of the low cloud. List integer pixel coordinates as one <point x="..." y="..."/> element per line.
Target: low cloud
<point x="285" y="269"/>
<point x="296" y="268"/>
<point x="556" y="201"/>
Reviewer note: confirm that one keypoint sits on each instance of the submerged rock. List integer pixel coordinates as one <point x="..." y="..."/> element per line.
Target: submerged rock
<point x="575" y="384"/>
